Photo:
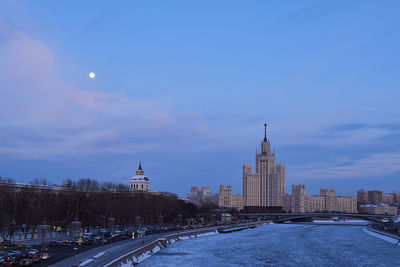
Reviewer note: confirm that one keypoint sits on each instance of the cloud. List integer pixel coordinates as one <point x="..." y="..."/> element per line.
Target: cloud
<point x="350" y="150"/>
<point x="321" y="9"/>
<point x="44" y="117"/>
<point x="380" y="164"/>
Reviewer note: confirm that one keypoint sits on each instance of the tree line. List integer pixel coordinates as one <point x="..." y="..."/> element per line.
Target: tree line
<point x="90" y="202"/>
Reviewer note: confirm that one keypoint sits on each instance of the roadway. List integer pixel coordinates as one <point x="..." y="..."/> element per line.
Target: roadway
<point x="115" y="250"/>
<point x="111" y="251"/>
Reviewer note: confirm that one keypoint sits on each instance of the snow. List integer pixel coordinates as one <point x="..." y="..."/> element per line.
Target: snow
<point x="85" y="262"/>
<point x="144" y="256"/>
<point x="156" y="249"/>
<point x="184" y="237"/>
<point x="391" y="240"/>
<point x="127" y="264"/>
<point x="281" y="245"/>
<point x="101" y="254"/>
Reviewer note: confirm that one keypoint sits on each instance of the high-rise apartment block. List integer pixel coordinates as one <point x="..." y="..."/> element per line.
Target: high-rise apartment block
<point x="202" y="196"/>
<point x="228" y="200"/>
<point x="369" y="197"/>
<point x="267" y="186"/>
<point x="327" y="201"/>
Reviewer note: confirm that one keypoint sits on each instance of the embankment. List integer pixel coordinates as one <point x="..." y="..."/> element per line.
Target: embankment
<point x="137" y="255"/>
<point x="141" y="253"/>
<point x="391" y="238"/>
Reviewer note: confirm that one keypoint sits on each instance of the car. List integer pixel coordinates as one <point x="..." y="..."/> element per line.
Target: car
<point x="36" y="259"/>
<point x="3" y="255"/>
<point x="33" y="252"/>
<point x="11" y="261"/>
<point x="63" y="243"/>
<point x="25" y="262"/>
<point x="21" y="246"/>
<point x="45" y="256"/>
<point x="53" y="243"/>
<point x="8" y="244"/>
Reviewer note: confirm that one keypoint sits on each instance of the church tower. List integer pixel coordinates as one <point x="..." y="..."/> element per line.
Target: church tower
<point x="139" y="182"/>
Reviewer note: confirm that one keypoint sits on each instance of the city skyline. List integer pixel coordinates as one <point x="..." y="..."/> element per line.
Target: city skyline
<point x="188" y="96"/>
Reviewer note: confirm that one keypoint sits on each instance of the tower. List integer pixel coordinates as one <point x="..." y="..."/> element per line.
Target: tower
<point x="267" y="186"/>
<point x="139" y="182"/>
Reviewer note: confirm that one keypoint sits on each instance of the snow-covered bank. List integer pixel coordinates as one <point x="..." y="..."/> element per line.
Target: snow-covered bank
<point x="142" y="253"/>
<point x="395" y="240"/>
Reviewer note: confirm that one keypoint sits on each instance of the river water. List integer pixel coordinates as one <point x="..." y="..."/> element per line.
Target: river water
<point x="282" y="245"/>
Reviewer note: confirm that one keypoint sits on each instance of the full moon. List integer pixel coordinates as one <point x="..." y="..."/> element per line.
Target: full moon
<point x="92" y="75"/>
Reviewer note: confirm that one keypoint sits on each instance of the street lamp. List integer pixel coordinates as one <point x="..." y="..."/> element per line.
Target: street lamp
<point x="42" y="230"/>
<point x="75" y="228"/>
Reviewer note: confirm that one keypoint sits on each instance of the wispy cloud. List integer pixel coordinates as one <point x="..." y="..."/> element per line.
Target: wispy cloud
<point x="44" y="117"/>
<point x="320" y="9"/>
<point x="380" y="164"/>
<point x="351" y="150"/>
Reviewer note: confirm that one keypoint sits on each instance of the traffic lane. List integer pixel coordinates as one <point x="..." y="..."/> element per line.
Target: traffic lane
<point x="118" y="251"/>
<point x="58" y="254"/>
<point x="115" y="248"/>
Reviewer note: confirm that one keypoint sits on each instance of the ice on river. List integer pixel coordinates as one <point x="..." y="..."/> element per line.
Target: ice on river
<point x="281" y="245"/>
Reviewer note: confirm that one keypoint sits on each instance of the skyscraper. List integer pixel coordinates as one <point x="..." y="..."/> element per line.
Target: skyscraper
<point x="267" y="186"/>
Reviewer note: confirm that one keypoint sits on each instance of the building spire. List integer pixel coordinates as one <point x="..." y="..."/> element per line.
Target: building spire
<point x="140" y="166"/>
<point x="265" y="134"/>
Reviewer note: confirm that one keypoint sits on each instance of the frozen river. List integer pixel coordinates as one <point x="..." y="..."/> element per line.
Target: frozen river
<point x="282" y="245"/>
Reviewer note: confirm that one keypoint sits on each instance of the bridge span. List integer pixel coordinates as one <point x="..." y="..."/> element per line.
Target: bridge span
<point x="283" y="217"/>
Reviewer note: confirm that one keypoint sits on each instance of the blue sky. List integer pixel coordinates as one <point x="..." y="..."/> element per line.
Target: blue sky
<point x="185" y="87"/>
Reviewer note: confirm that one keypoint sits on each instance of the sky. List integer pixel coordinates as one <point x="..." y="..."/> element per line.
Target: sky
<point x="186" y="86"/>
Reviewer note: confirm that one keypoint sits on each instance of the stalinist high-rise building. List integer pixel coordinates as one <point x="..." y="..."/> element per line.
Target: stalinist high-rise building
<point x="267" y="186"/>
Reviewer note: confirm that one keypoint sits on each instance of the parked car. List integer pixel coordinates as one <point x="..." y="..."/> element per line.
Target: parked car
<point x="63" y="243"/>
<point x="45" y="256"/>
<point x="25" y="262"/>
<point x="36" y="259"/>
<point x="33" y="252"/>
<point x="53" y="243"/>
<point x="11" y="261"/>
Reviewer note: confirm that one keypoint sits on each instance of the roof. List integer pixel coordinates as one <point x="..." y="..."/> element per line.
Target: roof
<point x="140" y="166"/>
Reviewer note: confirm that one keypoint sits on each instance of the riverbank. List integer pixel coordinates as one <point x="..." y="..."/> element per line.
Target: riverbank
<point x="145" y="251"/>
<point x="389" y="237"/>
<point x="281" y="245"/>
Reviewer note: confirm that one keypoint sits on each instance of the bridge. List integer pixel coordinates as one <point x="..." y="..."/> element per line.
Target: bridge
<point x="283" y="217"/>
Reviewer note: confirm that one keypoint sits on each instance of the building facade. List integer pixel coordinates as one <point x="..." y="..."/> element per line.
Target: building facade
<point x="267" y="186"/>
<point x="229" y="201"/>
<point x="373" y="197"/>
<point x="139" y="182"/>
<point x="382" y="209"/>
<point x="327" y="201"/>
<point x="202" y="196"/>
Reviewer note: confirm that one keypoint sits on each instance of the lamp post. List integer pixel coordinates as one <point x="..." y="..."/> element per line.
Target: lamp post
<point x="75" y="228"/>
<point x="160" y="220"/>
<point x="110" y="224"/>
<point x="43" y="228"/>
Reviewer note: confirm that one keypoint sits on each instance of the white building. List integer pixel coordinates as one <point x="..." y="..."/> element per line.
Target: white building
<point x="327" y="201"/>
<point x="228" y="200"/>
<point x="267" y="186"/>
<point x="382" y="209"/>
<point x="139" y="182"/>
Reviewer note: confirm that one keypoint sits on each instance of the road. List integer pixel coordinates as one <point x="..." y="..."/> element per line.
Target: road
<point x="111" y="251"/>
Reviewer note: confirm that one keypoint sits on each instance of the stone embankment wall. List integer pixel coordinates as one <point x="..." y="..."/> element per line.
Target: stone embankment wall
<point x="143" y="252"/>
<point x="391" y="238"/>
